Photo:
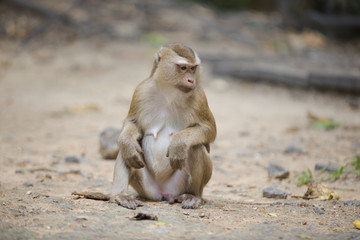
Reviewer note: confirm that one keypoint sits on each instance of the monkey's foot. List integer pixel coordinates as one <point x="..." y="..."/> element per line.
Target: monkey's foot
<point x="127" y="201"/>
<point x="187" y="201"/>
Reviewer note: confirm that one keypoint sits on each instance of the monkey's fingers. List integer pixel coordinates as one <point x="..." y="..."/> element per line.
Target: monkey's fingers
<point x="136" y="161"/>
<point x="138" y="148"/>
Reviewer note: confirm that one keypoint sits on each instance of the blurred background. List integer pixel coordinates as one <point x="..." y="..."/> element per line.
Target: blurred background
<point x="310" y="43"/>
<point x="282" y="78"/>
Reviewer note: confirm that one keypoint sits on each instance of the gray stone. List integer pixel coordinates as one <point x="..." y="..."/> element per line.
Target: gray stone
<point x="328" y="167"/>
<point x="20" y="171"/>
<point x="273" y="192"/>
<point x="352" y="203"/>
<point x="319" y="210"/>
<point x="73" y="159"/>
<point x="276" y="171"/>
<point x="109" y="148"/>
<point x="293" y="149"/>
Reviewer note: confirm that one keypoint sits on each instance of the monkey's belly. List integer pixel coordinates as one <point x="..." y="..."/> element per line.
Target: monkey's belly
<point x="155" y="148"/>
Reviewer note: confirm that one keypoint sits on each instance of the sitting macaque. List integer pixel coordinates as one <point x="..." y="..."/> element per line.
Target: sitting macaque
<point x="164" y="143"/>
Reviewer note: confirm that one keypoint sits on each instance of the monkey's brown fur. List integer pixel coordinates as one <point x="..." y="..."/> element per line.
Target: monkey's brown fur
<point x="166" y="134"/>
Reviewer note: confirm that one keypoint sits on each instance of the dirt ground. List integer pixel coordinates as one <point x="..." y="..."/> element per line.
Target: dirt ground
<point x="55" y="102"/>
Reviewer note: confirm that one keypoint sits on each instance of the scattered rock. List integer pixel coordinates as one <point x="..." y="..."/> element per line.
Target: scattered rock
<point x="319" y="210"/>
<point x="352" y="203"/>
<point x="28" y="184"/>
<point x="278" y="172"/>
<point x="80" y="219"/>
<point x="56" y="199"/>
<point x="273" y="192"/>
<point x="328" y="167"/>
<point x="74" y="159"/>
<point x="48" y="176"/>
<point x="109" y="148"/>
<point x="293" y="149"/>
<point x="20" y="171"/>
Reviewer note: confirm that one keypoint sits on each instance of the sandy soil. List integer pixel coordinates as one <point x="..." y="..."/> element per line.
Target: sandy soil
<point x="55" y="102"/>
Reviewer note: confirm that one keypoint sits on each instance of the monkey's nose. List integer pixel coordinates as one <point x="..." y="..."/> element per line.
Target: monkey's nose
<point x="190" y="81"/>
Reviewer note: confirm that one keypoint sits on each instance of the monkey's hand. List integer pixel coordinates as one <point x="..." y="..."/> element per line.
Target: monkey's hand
<point x="177" y="153"/>
<point x="131" y="152"/>
<point x="126" y="201"/>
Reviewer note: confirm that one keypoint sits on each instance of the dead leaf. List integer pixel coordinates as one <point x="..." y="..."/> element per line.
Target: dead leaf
<point x="92" y="195"/>
<point x="322" y="122"/>
<point x="357" y="224"/>
<point x="80" y="109"/>
<point x="319" y="192"/>
<point x="304" y="236"/>
<point x="143" y="216"/>
<point x="272" y="214"/>
<point x="160" y="224"/>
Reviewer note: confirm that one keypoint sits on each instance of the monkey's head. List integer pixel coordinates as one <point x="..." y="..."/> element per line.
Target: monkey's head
<point x="178" y="66"/>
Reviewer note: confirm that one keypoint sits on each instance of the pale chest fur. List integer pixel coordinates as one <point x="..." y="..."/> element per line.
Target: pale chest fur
<point x="160" y="118"/>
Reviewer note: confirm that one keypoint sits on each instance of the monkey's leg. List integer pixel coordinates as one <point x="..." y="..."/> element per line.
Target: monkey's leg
<point x="199" y="167"/>
<point x="122" y="174"/>
<point x="145" y="185"/>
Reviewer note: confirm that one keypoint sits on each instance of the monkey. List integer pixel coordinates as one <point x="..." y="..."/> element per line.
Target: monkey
<point x="164" y="143"/>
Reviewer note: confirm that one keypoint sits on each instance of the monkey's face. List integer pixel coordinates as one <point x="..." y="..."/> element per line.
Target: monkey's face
<point x="178" y="66"/>
<point x="187" y="77"/>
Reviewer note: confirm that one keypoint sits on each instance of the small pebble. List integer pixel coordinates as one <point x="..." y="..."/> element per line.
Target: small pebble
<point x="108" y="142"/>
<point x="73" y="159"/>
<point x="352" y="203"/>
<point x="319" y="210"/>
<point x="292" y="149"/>
<point x="272" y="192"/>
<point x="28" y="184"/>
<point x="328" y="167"/>
<point x="277" y="171"/>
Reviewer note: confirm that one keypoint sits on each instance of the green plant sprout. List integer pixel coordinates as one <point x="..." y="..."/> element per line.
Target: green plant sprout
<point x="305" y="178"/>
<point x="337" y="174"/>
<point x="356" y="162"/>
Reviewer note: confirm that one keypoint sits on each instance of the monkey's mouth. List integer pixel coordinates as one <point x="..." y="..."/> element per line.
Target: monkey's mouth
<point x="184" y="88"/>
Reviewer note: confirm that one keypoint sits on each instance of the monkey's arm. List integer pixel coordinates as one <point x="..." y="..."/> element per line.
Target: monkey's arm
<point x="202" y="132"/>
<point x="130" y="136"/>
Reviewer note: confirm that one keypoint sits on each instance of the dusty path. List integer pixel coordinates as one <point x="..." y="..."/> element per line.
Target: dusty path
<point x="54" y="104"/>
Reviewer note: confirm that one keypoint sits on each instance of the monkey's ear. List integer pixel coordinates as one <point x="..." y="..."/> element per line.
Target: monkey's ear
<point x="207" y="146"/>
<point x="158" y="56"/>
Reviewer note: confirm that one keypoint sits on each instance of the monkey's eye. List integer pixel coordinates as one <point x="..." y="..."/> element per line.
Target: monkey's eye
<point x="182" y="67"/>
<point x="193" y="68"/>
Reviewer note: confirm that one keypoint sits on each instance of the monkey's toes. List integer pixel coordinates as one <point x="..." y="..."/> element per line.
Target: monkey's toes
<point x="128" y="202"/>
<point x="191" y="203"/>
<point x="188" y="201"/>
